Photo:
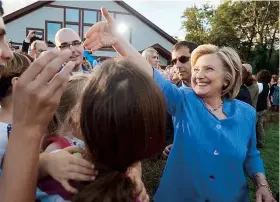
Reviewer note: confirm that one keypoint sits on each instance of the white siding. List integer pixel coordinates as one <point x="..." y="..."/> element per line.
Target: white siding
<point x="111" y="6"/>
<point x="16" y="29"/>
<point x="162" y="61"/>
<point x="142" y="35"/>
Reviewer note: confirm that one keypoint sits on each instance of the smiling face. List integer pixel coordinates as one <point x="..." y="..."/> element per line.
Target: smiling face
<point x="208" y="76"/>
<point x="67" y="36"/>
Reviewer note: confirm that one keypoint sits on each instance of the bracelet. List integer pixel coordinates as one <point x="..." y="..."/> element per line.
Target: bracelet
<point x="263" y="185"/>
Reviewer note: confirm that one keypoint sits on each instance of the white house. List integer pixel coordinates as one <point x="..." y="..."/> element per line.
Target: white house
<point x="47" y="17"/>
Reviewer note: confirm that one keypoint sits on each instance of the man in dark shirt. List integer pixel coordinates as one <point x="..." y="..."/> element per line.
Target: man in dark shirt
<point x="181" y="53"/>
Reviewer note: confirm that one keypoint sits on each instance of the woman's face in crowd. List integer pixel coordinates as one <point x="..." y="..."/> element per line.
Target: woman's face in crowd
<point x="208" y="76"/>
<point x="153" y="60"/>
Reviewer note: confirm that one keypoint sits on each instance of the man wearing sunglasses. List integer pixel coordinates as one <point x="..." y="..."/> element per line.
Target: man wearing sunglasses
<point x="181" y="54"/>
<point x="67" y="38"/>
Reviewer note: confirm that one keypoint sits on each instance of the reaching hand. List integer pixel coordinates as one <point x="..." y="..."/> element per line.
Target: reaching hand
<point x="263" y="195"/>
<point x="135" y="174"/>
<point x="102" y="34"/>
<point x="64" y="166"/>
<point x="166" y="151"/>
<point x="30" y="35"/>
<point x="38" y="90"/>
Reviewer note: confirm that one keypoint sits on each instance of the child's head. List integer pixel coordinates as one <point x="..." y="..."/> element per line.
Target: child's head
<point x="10" y="71"/>
<point x="62" y="121"/>
<point x="122" y="121"/>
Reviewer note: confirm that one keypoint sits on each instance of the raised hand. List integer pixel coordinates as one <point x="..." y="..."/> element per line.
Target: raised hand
<point x="36" y="96"/>
<point x="37" y="93"/>
<point x="102" y="34"/>
<point x="135" y="174"/>
<point x="30" y="35"/>
<point x="166" y="151"/>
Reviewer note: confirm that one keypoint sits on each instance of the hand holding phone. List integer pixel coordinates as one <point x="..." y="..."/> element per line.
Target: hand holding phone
<point x="31" y="34"/>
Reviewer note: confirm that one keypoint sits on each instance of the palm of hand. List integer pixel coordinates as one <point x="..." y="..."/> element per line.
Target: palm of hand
<point x="108" y="37"/>
<point x="102" y="34"/>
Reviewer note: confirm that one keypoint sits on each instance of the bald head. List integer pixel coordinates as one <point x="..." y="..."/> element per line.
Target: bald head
<point x="67" y="38"/>
<point x="37" y="48"/>
<point x="66" y="35"/>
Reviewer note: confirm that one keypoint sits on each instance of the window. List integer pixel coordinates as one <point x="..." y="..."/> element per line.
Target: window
<point x="90" y="17"/>
<point x="74" y="27"/>
<point x="72" y="19"/>
<point x="51" y="28"/>
<point x="86" y="28"/>
<point x="38" y="32"/>
<point x="72" y="15"/>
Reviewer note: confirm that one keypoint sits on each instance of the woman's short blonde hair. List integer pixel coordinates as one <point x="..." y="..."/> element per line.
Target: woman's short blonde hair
<point x="231" y="63"/>
<point x="148" y="52"/>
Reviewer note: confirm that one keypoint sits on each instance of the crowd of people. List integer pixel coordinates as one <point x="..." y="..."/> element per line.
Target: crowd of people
<point x="70" y="132"/>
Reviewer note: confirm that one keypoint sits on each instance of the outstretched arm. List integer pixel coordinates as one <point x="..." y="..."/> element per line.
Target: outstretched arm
<point x="104" y="34"/>
<point x="36" y="96"/>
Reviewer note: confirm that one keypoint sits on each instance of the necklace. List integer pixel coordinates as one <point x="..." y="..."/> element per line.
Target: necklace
<point x="218" y="107"/>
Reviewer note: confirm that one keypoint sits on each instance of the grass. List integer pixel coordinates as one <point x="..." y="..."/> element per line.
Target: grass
<point x="270" y="156"/>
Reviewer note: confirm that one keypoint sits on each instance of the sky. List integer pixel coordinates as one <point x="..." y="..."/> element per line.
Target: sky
<point x="165" y="14"/>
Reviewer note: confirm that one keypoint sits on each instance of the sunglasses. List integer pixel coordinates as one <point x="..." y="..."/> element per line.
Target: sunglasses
<point x="183" y="59"/>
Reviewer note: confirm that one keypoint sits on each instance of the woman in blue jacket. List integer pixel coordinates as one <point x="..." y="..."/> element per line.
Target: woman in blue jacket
<point x="215" y="136"/>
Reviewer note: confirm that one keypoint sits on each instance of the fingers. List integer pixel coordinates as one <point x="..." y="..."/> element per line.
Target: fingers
<point x="37" y="66"/>
<point x="51" y="69"/>
<point x="93" y="44"/>
<point x="74" y="149"/>
<point x="93" y="29"/>
<point x="96" y="47"/>
<point x="167" y="150"/>
<point x="258" y="198"/>
<point x="81" y="162"/>
<point x="106" y="15"/>
<point x="60" y="80"/>
<point x="68" y="187"/>
<point x="147" y="199"/>
<point x="91" y="38"/>
<point x="80" y="177"/>
<point x="82" y="170"/>
<point x="142" y="195"/>
<point x="165" y="153"/>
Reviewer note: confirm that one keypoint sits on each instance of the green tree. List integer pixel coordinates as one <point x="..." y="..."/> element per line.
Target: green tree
<point x="251" y="27"/>
<point x="197" y="23"/>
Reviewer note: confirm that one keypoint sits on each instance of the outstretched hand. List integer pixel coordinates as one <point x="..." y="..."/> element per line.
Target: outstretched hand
<point x="63" y="166"/>
<point x="102" y="34"/>
<point x="37" y="92"/>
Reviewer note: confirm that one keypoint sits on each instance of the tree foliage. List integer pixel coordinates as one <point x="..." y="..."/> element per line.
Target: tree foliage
<point x="251" y="27"/>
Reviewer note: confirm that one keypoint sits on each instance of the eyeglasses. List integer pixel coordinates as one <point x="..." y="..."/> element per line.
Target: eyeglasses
<point x="183" y="59"/>
<point x="67" y="45"/>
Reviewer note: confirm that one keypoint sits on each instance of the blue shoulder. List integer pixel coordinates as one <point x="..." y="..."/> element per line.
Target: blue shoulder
<point x="246" y="109"/>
